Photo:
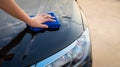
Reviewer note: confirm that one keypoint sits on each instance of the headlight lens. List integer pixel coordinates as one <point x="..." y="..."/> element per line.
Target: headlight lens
<point x="74" y="55"/>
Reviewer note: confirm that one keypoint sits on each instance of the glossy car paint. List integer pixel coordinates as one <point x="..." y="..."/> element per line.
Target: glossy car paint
<point x="21" y="47"/>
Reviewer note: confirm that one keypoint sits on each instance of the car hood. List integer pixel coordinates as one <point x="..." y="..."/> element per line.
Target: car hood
<point x="21" y="47"/>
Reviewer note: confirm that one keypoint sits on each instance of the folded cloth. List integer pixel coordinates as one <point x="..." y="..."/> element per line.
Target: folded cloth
<point x="51" y="25"/>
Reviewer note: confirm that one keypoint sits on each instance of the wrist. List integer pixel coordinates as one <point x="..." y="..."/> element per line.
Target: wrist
<point x="28" y="21"/>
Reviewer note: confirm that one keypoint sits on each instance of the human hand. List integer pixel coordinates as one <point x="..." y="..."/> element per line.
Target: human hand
<point x="38" y="20"/>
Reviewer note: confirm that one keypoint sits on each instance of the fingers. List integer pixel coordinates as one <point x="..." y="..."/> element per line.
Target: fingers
<point x="46" y="20"/>
<point x="51" y="20"/>
<point x="38" y="20"/>
<point x="43" y="26"/>
<point x="46" y="16"/>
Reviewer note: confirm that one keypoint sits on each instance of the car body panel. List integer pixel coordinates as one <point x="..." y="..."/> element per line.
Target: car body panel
<point x="21" y="47"/>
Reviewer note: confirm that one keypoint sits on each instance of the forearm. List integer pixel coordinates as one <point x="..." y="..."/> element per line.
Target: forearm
<point x="13" y="9"/>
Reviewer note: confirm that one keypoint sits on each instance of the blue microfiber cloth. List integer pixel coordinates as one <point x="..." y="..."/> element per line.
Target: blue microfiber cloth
<point x="51" y="25"/>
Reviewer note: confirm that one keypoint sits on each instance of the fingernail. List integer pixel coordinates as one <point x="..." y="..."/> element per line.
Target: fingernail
<point x="46" y="26"/>
<point x="54" y="20"/>
<point x="53" y="17"/>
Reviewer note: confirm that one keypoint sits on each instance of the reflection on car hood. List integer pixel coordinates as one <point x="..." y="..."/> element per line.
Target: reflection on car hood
<point x="21" y="47"/>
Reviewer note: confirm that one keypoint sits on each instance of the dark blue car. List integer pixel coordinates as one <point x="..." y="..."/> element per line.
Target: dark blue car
<point x="68" y="46"/>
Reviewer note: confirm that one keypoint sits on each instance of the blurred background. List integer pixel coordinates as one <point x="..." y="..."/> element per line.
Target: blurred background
<point x="104" y="21"/>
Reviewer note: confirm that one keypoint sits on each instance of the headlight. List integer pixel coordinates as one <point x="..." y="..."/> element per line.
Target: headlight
<point x="70" y="56"/>
<point x="74" y="54"/>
